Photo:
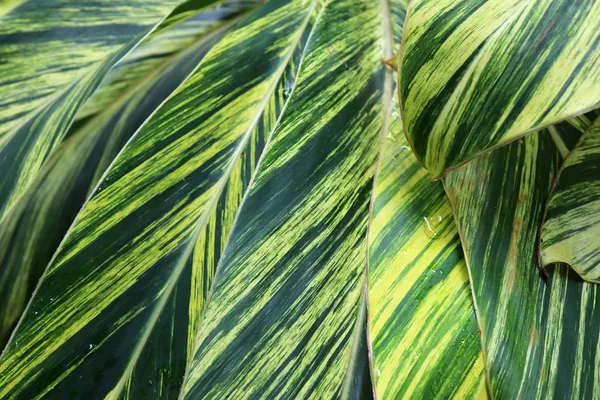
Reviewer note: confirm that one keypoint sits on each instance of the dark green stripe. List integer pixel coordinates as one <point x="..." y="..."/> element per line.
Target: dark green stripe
<point x="30" y="234"/>
<point x="289" y="284"/>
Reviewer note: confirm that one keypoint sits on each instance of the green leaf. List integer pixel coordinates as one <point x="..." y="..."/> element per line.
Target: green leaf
<point x="571" y="229"/>
<point x="121" y="302"/>
<point x="54" y="55"/>
<point x="281" y="318"/>
<point x="47" y="46"/>
<point x="423" y="330"/>
<point x="540" y="340"/>
<point x="34" y="228"/>
<point x="358" y="383"/>
<point x="151" y="53"/>
<point x="398" y="12"/>
<point x="477" y="74"/>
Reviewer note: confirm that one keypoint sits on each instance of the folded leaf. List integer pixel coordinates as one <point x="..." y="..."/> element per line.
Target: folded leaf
<point x="571" y="230"/>
<point x="540" y="340"/>
<point x="477" y="74"/>
<point x="120" y="304"/>
<point x="34" y="228"/>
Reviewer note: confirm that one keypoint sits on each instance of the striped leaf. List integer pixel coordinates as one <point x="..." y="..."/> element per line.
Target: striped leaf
<point x="46" y="46"/>
<point x="32" y="231"/>
<point x="281" y="319"/>
<point x="120" y="304"/>
<point x="151" y="53"/>
<point x="54" y="54"/>
<point x="540" y="340"/>
<point x="424" y="334"/>
<point x="571" y="229"/>
<point x="477" y="74"/>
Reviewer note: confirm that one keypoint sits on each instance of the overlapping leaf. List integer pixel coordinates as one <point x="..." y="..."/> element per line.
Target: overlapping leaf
<point x="477" y="74"/>
<point x="47" y="46"/>
<point x="571" y="231"/>
<point x="423" y="329"/>
<point x="166" y="40"/>
<point x="120" y="304"/>
<point x="152" y="231"/>
<point x="190" y="9"/>
<point x="33" y="229"/>
<point x="54" y="54"/>
<point x="282" y="314"/>
<point x="540" y="340"/>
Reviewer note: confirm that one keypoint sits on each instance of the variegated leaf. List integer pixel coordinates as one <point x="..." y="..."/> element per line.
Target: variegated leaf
<point x="424" y="333"/>
<point x="540" y="340"/>
<point x="53" y="54"/>
<point x="571" y="230"/>
<point x="34" y="228"/>
<point x="281" y="318"/>
<point x="477" y="74"/>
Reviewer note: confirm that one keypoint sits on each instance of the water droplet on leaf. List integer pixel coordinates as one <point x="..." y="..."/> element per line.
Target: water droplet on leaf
<point x="431" y="225"/>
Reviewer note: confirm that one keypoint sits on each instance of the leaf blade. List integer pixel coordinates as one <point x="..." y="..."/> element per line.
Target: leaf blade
<point x="37" y="61"/>
<point x="425" y="336"/>
<point x="571" y="225"/>
<point x="53" y="64"/>
<point x="540" y="340"/>
<point x="32" y="231"/>
<point x="506" y="72"/>
<point x="294" y="245"/>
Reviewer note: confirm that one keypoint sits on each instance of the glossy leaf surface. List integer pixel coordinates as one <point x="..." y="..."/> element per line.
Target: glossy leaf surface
<point x="477" y="74"/>
<point x="54" y="54"/>
<point x="32" y="231"/>
<point x="281" y="319"/>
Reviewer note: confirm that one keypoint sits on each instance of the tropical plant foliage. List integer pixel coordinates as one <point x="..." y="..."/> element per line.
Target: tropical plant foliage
<point x="226" y="199"/>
